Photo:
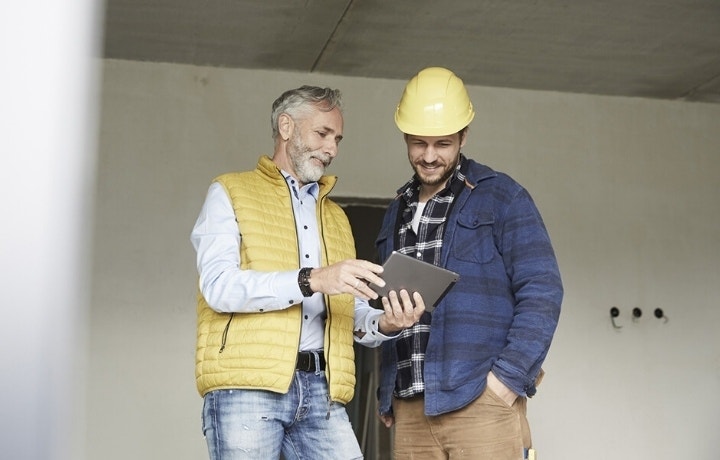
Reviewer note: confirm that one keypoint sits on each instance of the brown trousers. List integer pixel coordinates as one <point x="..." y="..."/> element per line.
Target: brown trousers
<point x="486" y="429"/>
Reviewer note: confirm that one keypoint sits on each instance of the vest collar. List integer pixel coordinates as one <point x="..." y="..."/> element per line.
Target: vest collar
<point x="272" y="173"/>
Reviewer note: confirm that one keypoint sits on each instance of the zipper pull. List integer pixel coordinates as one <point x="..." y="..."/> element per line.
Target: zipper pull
<point x="225" y="333"/>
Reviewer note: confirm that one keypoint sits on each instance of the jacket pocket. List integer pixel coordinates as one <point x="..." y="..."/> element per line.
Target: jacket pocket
<point x="474" y="241"/>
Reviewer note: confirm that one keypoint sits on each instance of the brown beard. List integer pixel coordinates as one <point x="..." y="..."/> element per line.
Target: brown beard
<point x="447" y="174"/>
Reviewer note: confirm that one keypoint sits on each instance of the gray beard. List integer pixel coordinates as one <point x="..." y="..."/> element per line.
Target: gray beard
<point x="306" y="171"/>
<point x="301" y="159"/>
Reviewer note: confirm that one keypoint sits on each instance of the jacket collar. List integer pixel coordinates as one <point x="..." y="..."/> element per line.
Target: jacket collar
<point x="477" y="172"/>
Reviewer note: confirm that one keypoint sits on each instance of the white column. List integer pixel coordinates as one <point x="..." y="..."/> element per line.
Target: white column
<point x="48" y="97"/>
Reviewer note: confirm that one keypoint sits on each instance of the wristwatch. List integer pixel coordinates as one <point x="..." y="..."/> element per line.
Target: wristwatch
<point x="304" y="282"/>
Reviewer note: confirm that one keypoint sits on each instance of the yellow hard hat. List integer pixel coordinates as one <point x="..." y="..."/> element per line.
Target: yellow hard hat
<point x="434" y="103"/>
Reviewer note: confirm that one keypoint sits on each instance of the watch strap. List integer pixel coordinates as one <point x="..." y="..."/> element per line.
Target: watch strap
<point x="304" y="282"/>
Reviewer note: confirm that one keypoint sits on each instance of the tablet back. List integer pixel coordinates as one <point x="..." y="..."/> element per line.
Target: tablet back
<point x="414" y="275"/>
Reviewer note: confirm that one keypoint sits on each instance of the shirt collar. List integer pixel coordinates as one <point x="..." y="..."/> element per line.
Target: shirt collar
<point x="312" y="189"/>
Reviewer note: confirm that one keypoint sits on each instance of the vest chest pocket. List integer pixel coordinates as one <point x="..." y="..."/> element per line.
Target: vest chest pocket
<point x="474" y="241"/>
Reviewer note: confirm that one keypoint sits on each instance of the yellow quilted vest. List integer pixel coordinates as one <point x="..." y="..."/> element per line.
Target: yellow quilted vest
<point x="258" y="350"/>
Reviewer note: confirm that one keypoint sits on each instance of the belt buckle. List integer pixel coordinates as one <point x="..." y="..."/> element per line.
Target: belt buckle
<point x="308" y="361"/>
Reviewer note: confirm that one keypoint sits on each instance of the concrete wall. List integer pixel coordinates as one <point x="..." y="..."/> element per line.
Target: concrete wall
<point x="628" y="188"/>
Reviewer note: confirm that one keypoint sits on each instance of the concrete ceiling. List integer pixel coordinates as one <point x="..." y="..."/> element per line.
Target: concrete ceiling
<point x="663" y="49"/>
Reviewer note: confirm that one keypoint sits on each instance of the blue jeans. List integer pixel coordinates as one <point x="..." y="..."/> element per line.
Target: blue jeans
<point x="302" y="424"/>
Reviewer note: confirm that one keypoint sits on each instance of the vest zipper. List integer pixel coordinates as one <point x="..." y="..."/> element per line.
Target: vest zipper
<point x="300" y="263"/>
<point x="225" y="333"/>
<point x="326" y="346"/>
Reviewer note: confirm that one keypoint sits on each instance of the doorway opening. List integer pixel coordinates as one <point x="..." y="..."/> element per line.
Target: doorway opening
<point x="365" y="217"/>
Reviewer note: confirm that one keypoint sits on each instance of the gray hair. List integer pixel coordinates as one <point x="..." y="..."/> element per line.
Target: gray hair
<point x="298" y="102"/>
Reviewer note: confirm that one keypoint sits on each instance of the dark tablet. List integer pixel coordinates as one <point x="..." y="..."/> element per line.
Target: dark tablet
<point x="414" y="275"/>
